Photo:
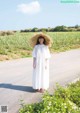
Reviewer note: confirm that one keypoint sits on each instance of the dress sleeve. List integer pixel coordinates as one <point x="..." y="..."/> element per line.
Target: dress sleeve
<point x="34" y="52"/>
<point x="48" y="55"/>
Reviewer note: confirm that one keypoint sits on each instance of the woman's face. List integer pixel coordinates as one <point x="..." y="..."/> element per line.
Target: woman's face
<point x="41" y="40"/>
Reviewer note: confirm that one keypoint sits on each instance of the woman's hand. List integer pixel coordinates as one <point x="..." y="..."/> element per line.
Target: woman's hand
<point x="45" y="67"/>
<point x="46" y="63"/>
<point x="34" y="65"/>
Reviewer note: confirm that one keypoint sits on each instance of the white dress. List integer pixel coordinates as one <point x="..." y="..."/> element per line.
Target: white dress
<point x="40" y="76"/>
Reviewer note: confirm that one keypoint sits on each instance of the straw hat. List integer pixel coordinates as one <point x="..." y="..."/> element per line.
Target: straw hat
<point x="33" y="40"/>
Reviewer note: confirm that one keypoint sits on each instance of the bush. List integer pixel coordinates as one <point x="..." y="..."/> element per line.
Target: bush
<point x="62" y="101"/>
<point x="3" y="33"/>
<point x="75" y="93"/>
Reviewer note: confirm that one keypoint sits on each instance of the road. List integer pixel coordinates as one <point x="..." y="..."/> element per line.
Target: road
<point x="16" y="78"/>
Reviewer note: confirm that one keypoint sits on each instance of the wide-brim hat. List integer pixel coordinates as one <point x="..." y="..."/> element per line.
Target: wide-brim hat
<point x="34" y="38"/>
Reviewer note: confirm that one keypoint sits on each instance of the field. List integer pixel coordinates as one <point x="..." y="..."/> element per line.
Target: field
<point x="17" y="45"/>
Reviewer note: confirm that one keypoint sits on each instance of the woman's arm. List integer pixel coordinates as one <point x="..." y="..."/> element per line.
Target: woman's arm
<point x="34" y="57"/>
<point x="46" y="63"/>
<point x="34" y="62"/>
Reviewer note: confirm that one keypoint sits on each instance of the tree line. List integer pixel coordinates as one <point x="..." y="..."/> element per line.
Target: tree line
<point x="56" y="29"/>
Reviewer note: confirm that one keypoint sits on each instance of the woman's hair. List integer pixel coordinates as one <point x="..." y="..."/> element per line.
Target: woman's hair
<point x="44" y="42"/>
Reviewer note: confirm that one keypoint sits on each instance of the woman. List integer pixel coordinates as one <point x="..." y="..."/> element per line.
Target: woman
<point x="41" y="55"/>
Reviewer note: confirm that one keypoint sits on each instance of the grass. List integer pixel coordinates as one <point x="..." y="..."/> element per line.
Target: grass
<point x="17" y="45"/>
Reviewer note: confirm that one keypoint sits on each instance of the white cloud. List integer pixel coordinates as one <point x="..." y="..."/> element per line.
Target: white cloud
<point x="30" y="8"/>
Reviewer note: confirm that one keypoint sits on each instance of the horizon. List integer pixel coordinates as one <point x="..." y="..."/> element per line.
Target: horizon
<point x="38" y="28"/>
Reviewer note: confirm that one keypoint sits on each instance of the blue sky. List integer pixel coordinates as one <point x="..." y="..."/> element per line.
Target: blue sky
<point x="22" y="14"/>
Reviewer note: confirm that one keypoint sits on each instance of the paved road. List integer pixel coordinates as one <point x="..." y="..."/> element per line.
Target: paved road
<point x="16" y="78"/>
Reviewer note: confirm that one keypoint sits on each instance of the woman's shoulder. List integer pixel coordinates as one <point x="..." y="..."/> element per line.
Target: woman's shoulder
<point x="35" y="46"/>
<point x="46" y="46"/>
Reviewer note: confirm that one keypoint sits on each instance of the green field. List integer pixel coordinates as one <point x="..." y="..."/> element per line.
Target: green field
<point x="17" y="45"/>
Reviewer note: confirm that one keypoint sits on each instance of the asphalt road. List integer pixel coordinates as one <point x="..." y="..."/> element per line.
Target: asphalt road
<point x="16" y="78"/>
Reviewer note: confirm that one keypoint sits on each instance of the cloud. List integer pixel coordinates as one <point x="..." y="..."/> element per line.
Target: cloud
<point x="30" y="8"/>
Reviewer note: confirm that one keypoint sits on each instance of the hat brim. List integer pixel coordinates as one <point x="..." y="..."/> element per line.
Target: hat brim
<point x="33" y="40"/>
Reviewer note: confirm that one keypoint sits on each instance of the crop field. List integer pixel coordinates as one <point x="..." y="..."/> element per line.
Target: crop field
<point x="17" y="45"/>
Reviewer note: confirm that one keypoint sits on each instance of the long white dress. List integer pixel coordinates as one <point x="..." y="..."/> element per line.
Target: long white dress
<point x="40" y="76"/>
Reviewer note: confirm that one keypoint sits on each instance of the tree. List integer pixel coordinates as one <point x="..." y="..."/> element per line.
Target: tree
<point x="35" y="29"/>
<point x="76" y="26"/>
<point x="60" y="28"/>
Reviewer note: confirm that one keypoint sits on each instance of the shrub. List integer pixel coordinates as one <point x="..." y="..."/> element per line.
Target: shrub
<point x="3" y="33"/>
<point x="75" y="93"/>
<point x="60" y="102"/>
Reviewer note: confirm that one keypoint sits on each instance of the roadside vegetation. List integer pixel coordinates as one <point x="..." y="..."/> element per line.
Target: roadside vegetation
<point x="64" y="100"/>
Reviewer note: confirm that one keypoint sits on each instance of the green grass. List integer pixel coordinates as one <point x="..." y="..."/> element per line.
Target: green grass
<point x="64" y="100"/>
<point x="63" y="41"/>
<point x="17" y="45"/>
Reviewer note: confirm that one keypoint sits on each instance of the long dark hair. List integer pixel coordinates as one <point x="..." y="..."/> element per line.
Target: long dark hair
<point x="44" y="42"/>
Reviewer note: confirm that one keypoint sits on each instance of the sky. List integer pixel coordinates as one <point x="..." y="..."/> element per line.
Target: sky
<point x="23" y="14"/>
